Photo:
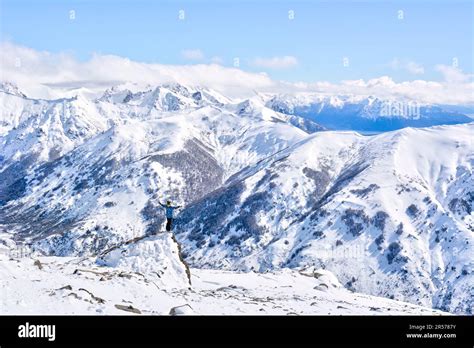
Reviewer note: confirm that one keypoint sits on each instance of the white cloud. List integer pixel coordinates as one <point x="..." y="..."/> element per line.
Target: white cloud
<point x="385" y="87"/>
<point x="194" y="54"/>
<point x="415" y="68"/>
<point x="410" y="66"/>
<point x="42" y="74"/>
<point x="453" y="74"/>
<point x="275" y="62"/>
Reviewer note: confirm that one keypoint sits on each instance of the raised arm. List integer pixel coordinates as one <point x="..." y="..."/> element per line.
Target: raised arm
<point x="164" y="206"/>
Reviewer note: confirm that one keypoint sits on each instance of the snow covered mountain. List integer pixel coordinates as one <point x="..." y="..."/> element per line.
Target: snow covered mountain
<point x="263" y="190"/>
<point x="68" y="165"/>
<point x="368" y="114"/>
<point x="391" y="215"/>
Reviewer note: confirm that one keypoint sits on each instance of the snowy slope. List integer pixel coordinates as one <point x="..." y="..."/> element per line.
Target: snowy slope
<point x="338" y="200"/>
<point x="58" y="285"/>
<point x="55" y="128"/>
<point x="70" y="165"/>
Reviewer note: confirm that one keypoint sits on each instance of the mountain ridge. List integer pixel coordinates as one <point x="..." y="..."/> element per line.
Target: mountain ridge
<point x="262" y="189"/>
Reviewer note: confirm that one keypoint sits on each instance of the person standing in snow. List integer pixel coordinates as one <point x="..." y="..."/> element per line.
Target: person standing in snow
<point x="169" y="213"/>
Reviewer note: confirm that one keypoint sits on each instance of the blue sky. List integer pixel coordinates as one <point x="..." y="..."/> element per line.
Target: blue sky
<point x="369" y="33"/>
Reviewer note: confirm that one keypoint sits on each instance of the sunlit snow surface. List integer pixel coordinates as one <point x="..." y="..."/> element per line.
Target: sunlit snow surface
<point x="73" y="286"/>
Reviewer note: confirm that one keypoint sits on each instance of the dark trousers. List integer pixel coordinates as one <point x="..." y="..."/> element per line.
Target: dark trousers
<point x="169" y="221"/>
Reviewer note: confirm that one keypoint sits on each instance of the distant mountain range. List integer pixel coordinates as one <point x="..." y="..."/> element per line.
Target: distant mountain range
<point x="369" y="114"/>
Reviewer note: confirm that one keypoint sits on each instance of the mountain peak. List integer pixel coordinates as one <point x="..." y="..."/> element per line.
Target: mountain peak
<point x="11" y="88"/>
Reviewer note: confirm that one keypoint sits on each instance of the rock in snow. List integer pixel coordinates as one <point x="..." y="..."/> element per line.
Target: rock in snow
<point x="181" y="310"/>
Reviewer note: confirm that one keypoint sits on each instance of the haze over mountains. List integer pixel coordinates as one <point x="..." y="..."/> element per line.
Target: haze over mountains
<point x="267" y="183"/>
<point x="368" y="114"/>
